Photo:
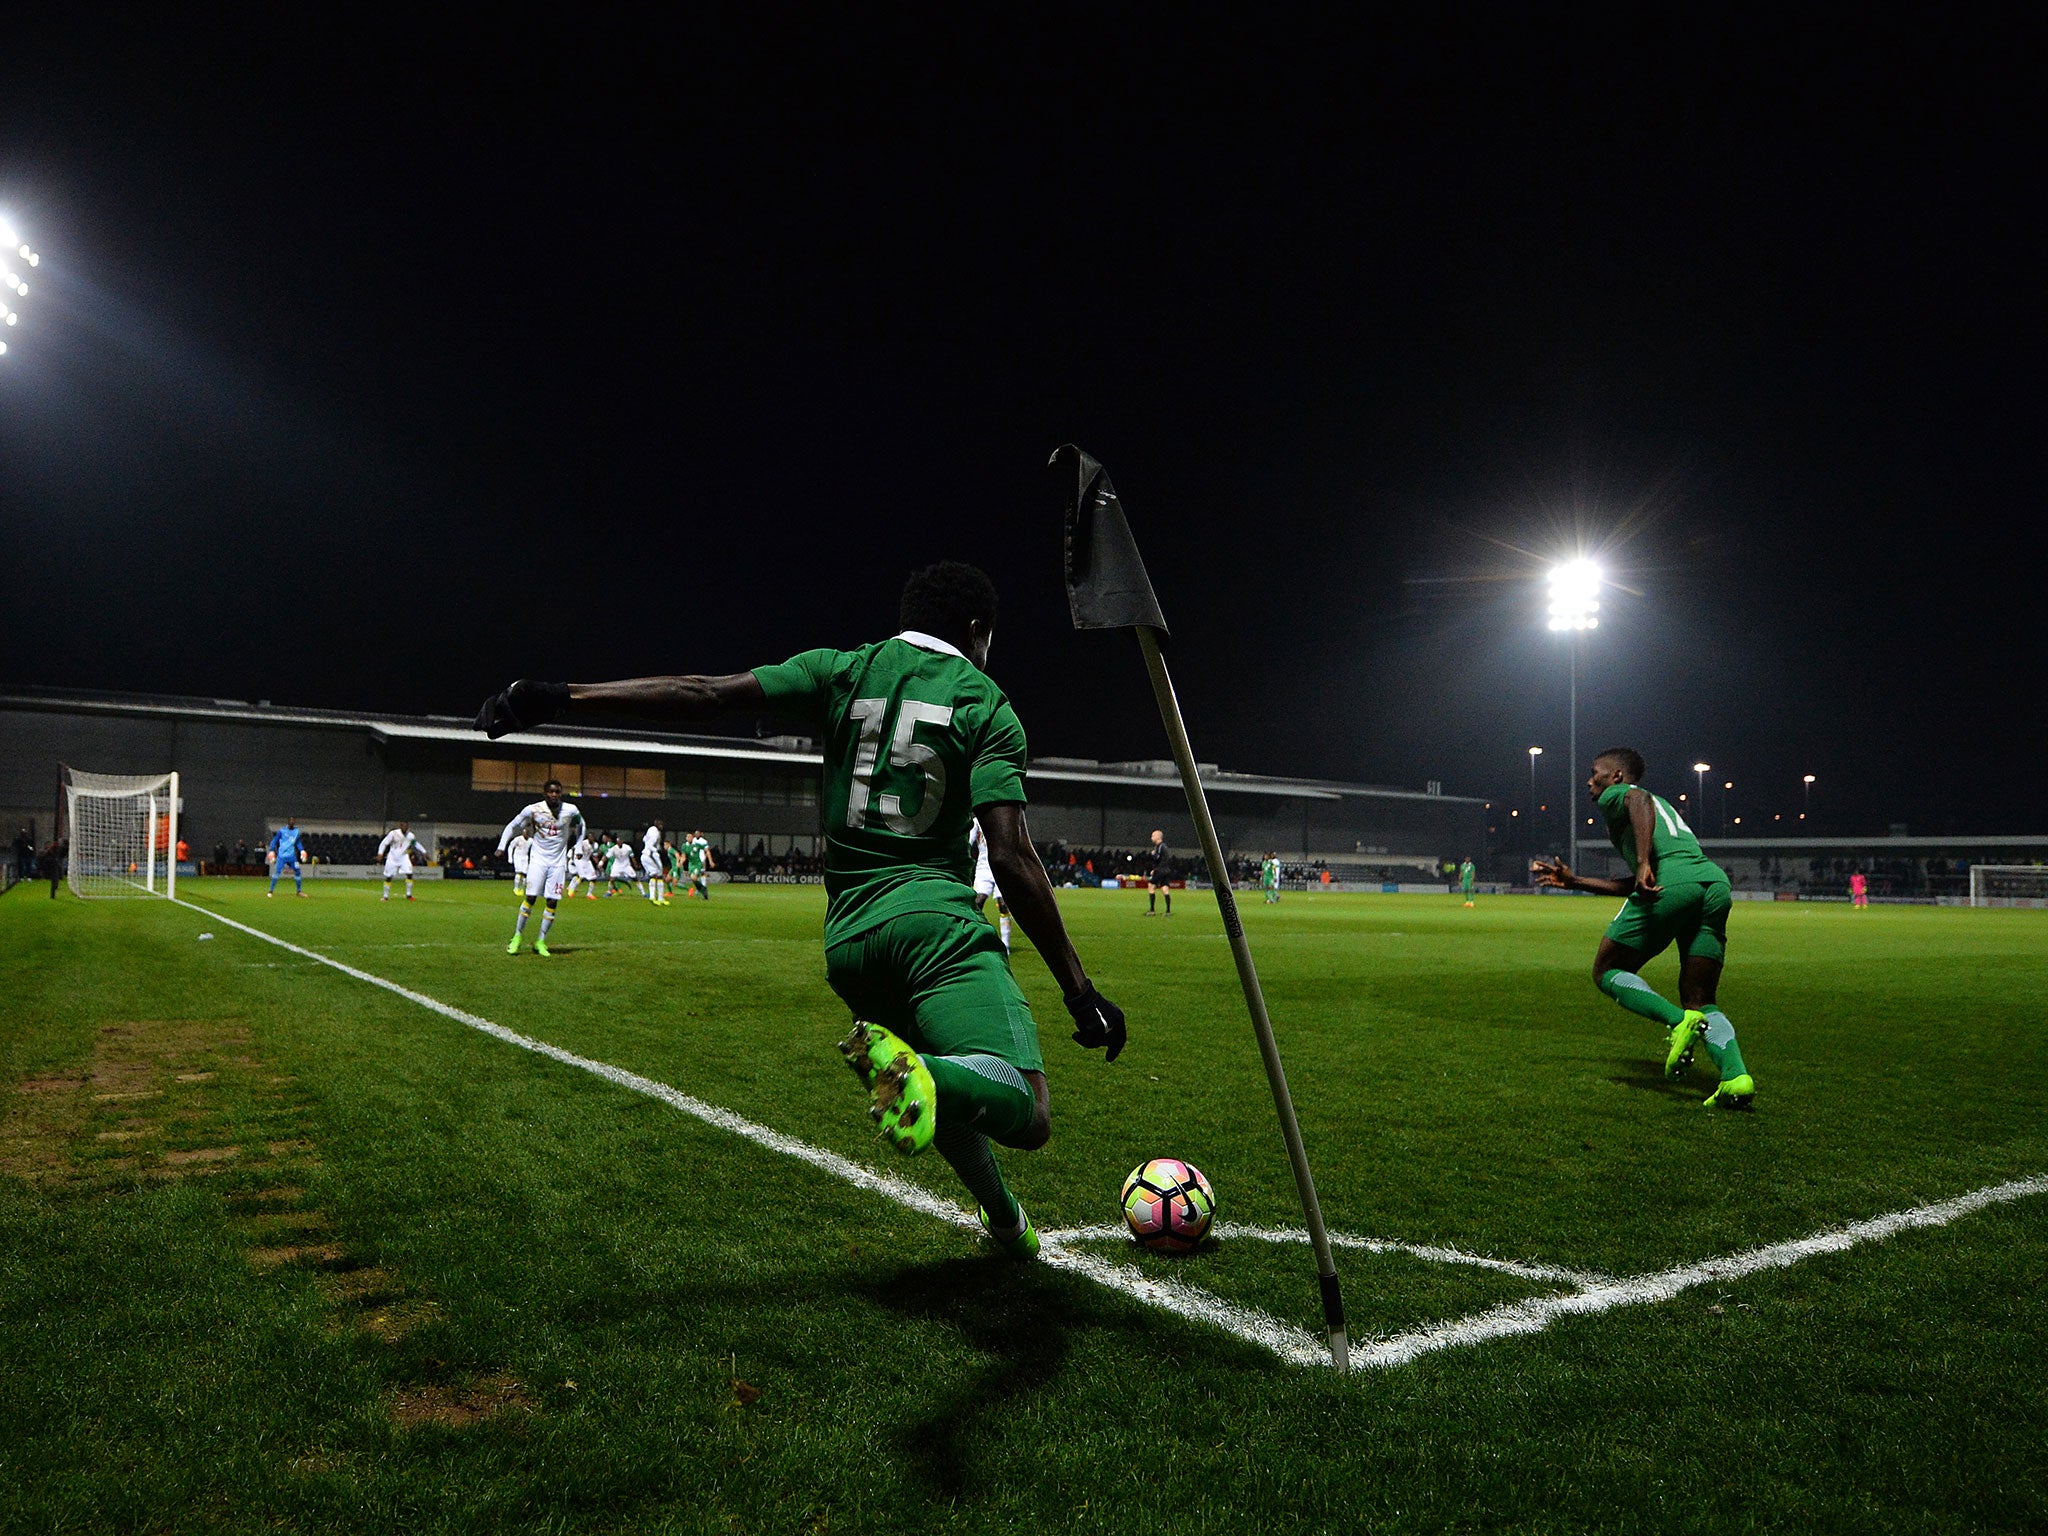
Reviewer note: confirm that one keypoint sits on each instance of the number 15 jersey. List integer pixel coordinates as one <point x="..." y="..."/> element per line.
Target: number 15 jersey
<point x="916" y="739"/>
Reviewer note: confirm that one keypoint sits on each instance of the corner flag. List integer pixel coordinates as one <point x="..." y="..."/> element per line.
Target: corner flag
<point x="1107" y="588"/>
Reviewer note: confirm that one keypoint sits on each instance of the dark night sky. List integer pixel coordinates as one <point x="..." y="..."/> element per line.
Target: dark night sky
<point x="372" y="369"/>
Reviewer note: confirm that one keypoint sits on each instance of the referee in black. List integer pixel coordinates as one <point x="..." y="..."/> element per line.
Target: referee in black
<point x="1157" y="873"/>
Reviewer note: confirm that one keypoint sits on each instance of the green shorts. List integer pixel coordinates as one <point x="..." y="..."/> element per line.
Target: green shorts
<point x="1694" y="917"/>
<point x="940" y="980"/>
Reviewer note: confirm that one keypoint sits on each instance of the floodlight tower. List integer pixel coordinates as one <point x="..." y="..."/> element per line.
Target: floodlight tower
<point x="13" y="250"/>
<point x="1534" y="753"/>
<point x="1574" y="609"/>
<point x="1699" y="803"/>
<point x="1806" y="797"/>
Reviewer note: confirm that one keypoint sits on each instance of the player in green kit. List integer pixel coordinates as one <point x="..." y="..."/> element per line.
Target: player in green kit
<point x="697" y="857"/>
<point x="918" y="742"/>
<point x="1467" y="873"/>
<point x="1676" y="896"/>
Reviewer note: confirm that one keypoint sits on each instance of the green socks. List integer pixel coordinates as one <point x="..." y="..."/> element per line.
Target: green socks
<point x="1639" y="997"/>
<point x="969" y="1154"/>
<point x="984" y="1094"/>
<point x="1719" y="1039"/>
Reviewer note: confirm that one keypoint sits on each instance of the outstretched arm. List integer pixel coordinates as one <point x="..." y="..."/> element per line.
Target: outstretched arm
<point x="1097" y="1021"/>
<point x="526" y="703"/>
<point x="1558" y="875"/>
<point x="513" y="828"/>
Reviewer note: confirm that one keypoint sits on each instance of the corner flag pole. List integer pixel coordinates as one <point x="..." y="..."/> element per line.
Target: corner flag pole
<point x="1107" y="588"/>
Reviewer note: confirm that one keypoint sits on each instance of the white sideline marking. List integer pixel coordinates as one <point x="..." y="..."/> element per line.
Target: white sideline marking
<point x="1535" y="1315"/>
<point x="1295" y="1345"/>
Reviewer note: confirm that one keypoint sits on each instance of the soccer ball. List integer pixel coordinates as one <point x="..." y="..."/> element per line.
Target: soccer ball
<point x="1168" y="1205"/>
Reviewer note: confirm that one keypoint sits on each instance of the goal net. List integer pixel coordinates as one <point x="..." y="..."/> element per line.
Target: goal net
<point x="2008" y="885"/>
<point x="124" y="833"/>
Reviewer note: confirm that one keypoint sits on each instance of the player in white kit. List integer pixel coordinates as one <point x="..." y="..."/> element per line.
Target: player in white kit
<point x="396" y="850"/>
<point x="651" y="865"/>
<point x="554" y="825"/>
<point x="623" y="868"/>
<point x="518" y="848"/>
<point x="985" y="881"/>
<point x="581" y="870"/>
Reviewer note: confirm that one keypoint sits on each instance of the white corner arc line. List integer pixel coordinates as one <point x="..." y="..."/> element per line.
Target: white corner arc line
<point x="1435" y="1253"/>
<point x="1535" y="1315"/>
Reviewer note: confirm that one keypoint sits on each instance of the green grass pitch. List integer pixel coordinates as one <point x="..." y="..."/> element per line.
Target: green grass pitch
<point x="281" y="1250"/>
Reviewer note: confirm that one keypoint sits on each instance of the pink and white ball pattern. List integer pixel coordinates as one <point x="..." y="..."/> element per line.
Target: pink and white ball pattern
<point x="1168" y="1205"/>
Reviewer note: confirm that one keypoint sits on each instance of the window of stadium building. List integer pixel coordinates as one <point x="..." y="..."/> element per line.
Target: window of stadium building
<point x="597" y="780"/>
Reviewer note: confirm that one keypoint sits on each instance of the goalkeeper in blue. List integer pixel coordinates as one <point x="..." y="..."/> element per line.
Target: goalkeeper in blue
<point x="1677" y="895"/>
<point x="287" y="848"/>
<point x="919" y="742"/>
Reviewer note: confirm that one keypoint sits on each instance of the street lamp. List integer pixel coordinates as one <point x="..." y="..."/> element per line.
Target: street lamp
<point x="1534" y="753"/>
<point x="1806" y="793"/>
<point x="1574" y="609"/>
<point x="1724" y="806"/>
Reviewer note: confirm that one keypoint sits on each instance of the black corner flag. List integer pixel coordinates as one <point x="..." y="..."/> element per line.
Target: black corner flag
<point x="1107" y="588"/>
<point x="1106" y="581"/>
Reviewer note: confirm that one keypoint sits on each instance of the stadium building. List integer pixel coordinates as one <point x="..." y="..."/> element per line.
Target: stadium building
<point x="347" y="775"/>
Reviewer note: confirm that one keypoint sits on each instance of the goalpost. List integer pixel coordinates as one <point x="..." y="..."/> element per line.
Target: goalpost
<point x="124" y="833"/>
<point x="2008" y="885"/>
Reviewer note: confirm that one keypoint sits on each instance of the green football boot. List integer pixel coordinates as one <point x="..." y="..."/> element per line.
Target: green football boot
<point x="513" y="947"/>
<point x="540" y="947"/>
<point x="1681" y="1039"/>
<point x="904" y="1099"/>
<point x="1020" y="1245"/>
<point x="1734" y="1093"/>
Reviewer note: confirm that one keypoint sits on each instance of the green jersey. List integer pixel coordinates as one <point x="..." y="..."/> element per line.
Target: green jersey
<point x="916" y="740"/>
<point x="699" y="853"/>
<point x="1674" y="852"/>
<point x="1466" y="874"/>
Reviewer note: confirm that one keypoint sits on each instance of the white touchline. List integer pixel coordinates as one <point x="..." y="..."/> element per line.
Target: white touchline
<point x="1593" y="1294"/>
<point x="1537" y="1314"/>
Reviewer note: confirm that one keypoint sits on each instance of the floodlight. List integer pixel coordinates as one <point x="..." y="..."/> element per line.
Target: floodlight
<point x="22" y="289"/>
<point x="34" y="260"/>
<point x="1809" y="778"/>
<point x="25" y="253"/>
<point x="7" y="235"/>
<point x="12" y="317"/>
<point x="1575" y="595"/>
<point x="1535" y="751"/>
<point x="1701" y="767"/>
<point x="3" y="349"/>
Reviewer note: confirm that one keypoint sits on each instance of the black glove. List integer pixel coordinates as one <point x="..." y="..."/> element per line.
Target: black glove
<point x="521" y="707"/>
<point x="1097" y="1022"/>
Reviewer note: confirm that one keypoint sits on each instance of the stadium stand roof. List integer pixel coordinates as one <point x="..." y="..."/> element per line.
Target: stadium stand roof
<point x="784" y="749"/>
